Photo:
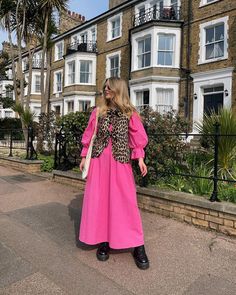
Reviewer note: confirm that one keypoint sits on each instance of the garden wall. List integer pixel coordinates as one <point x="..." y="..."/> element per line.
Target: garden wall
<point x="29" y="166"/>
<point x="184" y="207"/>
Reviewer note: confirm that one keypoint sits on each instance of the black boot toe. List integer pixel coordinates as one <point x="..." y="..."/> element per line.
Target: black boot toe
<point x="140" y="257"/>
<point x="103" y="251"/>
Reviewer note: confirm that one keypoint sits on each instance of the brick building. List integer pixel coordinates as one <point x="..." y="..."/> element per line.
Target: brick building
<point x="174" y="55"/>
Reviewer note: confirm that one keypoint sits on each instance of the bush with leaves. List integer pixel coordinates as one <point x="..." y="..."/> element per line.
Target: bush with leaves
<point x="7" y="124"/>
<point x="73" y="125"/>
<point x="164" y="153"/>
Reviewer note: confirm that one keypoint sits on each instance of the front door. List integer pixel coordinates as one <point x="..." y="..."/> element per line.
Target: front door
<point x="212" y="102"/>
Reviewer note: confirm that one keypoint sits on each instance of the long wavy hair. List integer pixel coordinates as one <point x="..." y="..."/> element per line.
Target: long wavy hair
<point x="121" y="99"/>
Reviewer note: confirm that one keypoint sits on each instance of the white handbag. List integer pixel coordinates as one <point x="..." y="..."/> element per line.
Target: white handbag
<point x="89" y="153"/>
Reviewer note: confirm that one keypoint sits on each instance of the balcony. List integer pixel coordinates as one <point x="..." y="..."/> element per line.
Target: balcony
<point x="37" y="63"/>
<point x="89" y="46"/>
<point x="167" y="13"/>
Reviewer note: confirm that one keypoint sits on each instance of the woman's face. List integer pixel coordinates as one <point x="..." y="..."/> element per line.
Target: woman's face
<point x="108" y="93"/>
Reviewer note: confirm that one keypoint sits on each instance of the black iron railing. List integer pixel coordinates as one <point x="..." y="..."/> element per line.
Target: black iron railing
<point x="36" y="64"/>
<point x="169" y="13"/>
<point x="215" y="175"/>
<point x="65" y="157"/>
<point x="14" y="140"/>
<point x="89" y="46"/>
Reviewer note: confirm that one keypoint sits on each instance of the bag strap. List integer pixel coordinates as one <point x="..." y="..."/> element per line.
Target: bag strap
<point x="96" y="123"/>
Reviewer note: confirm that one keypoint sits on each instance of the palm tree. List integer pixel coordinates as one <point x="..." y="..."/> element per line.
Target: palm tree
<point x="227" y="144"/>
<point x="47" y="7"/>
<point x="7" y="15"/>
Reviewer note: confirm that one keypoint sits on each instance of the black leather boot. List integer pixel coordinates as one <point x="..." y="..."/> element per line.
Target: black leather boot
<point x="140" y="257"/>
<point x="103" y="251"/>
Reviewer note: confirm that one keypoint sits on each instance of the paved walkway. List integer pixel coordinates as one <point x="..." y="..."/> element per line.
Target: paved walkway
<point x="38" y="253"/>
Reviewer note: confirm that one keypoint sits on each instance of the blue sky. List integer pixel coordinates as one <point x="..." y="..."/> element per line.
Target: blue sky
<point x="88" y="8"/>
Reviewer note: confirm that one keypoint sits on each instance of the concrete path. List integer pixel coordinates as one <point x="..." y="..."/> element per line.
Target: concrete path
<point x="39" y="255"/>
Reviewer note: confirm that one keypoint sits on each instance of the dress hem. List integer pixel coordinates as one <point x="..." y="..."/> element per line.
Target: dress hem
<point x="112" y="246"/>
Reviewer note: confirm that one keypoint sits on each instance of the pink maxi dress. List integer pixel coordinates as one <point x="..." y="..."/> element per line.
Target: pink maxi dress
<point x="110" y="212"/>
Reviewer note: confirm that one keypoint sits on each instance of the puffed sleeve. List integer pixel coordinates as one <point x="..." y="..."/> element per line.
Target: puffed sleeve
<point x="137" y="137"/>
<point x="88" y="133"/>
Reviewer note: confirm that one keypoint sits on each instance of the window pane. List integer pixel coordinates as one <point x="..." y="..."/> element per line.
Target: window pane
<point x="210" y="51"/>
<point x="207" y="90"/>
<point x="219" y="33"/>
<point x="219" y="49"/>
<point x="82" y="66"/>
<point x="146" y="97"/>
<point x="139" y="100"/>
<point x="209" y="35"/>
<point x="141" y="61"/>
<point x="147" y="59"/>
<point x="169" y="42"/>
<point x="165" y="100"/>
<point x="168" y="58"/>
<point x="161" y="59"/>
<point x="140" y="47"/>
<point x="147" y="44"/>
<point x="219" y="88"/>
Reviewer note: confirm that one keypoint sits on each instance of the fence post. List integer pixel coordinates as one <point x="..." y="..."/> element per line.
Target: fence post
<point x="55" y="152"/>
<point x="214" y="197"/>
<point x="10" y="154"/>
<point x="27" y="145"/>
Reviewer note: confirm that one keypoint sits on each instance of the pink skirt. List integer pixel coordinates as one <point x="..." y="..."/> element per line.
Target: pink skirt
<point x="110" y="212"/>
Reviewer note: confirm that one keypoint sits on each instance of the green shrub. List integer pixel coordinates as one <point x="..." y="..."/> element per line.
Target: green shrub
<point x="228" y="193"/>
<point x="48" y="162"/>
<point x="73" y="126"/>
<point x="227" y="144"/>
<point x="164" y="154"/>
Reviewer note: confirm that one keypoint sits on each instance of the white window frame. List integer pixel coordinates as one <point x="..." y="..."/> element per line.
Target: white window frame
<point x="173" y="51"/>
<point x="142" y="92"/>
<point x="109" y="26"/>
<point x="72" y="102"/>
<point x="108" y="63"/>
<point x="84" y="101"/>
<point x="37" y="84"/>
<point x="154" y="33"/>
<point x="160" y="82"/>
<point x="69" y="80"/>
<point x="204" y="2"/>
<point x="163" y="104"/>
<point x="56" y="82"/>
<point x="202" y="38"/>
<point x="57" y="56"/>
<point x="138" y="55"/>
<point x="90" y="71"/>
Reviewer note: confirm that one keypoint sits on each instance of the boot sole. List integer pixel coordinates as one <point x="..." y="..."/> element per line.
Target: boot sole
<point x="102" y="257"/>
<point x="142" y="265"/>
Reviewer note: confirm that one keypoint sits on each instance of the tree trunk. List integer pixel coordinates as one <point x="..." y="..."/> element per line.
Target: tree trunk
<point x="47" y="87"/>
<point x="43" y="100"/>
<point x="12" y="56"/>
<point x="30" y="60"/>
<point x="19" y="34"/>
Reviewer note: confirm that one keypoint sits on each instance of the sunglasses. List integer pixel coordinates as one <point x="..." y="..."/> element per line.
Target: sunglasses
<point x="107" y="87"/>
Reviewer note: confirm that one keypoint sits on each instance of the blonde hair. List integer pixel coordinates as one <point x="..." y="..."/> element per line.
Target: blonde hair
<point x="121" y="99"/>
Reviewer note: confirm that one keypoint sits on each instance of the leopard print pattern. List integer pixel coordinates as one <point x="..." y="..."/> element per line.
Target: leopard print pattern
<point x="118" y="135"/>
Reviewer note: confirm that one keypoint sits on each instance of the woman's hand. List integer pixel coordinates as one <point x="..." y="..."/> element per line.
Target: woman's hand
<point x="81" y="166"/>
<point x="142" y="166"/>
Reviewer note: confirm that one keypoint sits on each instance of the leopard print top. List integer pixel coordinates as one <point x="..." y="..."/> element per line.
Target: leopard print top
<point x="118" y="135"/>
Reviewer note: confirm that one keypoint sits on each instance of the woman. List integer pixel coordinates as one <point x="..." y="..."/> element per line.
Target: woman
<point x="110" y="215"/>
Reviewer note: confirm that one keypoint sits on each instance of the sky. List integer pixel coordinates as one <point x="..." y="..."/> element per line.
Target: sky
<point x="88" y="8"/>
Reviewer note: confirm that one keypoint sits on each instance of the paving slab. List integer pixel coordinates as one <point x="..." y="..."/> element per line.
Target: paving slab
<point x="36" y="284"/>
<point x="12" y="268"/>
<point x="39" y="253"/>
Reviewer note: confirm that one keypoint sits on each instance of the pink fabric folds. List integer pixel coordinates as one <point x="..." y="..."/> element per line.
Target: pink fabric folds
<point x="110" y="212"/>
